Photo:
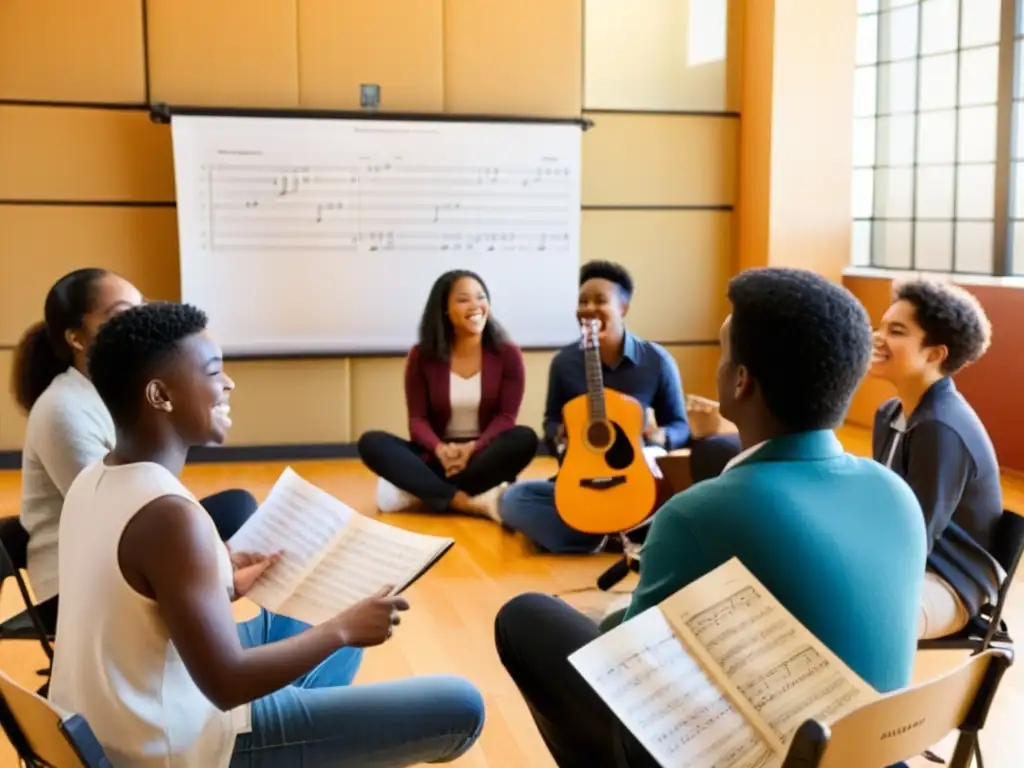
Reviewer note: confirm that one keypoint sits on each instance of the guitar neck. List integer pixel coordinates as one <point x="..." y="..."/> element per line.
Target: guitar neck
<point x="595" y="384"/>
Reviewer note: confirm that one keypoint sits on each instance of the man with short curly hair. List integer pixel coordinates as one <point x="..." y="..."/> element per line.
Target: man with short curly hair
<point x="929" y="435"/>
<point x="839" y="540"/>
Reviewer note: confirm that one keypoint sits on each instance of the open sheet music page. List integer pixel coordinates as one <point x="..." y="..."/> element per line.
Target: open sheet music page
<point x="663" y="696"/>
<point x="298" y="520"/>
<point x="771" y="661"/>
<point x="367" y="556"/>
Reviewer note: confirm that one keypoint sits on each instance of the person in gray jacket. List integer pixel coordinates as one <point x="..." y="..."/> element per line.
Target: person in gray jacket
<point x="930" y="436"/>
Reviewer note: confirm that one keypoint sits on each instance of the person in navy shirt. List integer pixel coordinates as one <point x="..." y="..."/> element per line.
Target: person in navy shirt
<point x="932" y="438"/>
<point x="630" y="365"/>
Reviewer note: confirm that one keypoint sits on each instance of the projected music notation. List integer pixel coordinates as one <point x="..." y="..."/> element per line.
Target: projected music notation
<point x="386" y="206"/>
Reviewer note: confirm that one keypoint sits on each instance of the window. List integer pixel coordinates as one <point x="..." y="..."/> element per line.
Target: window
<point x="936" y="153"/>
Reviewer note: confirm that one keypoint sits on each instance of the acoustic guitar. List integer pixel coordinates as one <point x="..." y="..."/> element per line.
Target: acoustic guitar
<point x="605" y="484"/>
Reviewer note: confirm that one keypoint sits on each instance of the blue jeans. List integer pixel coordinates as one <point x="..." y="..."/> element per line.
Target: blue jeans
<point x="323" y="720"/>
<point x="529" y="507"/>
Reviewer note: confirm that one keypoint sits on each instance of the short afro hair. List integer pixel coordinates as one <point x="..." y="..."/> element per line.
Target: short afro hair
<point x="608" y="270"/>
<point x="130" y="347"/>
<point x="950" y="316"/>
<point x="805" y="340"/>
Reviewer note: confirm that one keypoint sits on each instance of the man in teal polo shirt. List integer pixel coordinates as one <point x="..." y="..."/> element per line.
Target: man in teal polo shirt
<point x="839" y="540"/>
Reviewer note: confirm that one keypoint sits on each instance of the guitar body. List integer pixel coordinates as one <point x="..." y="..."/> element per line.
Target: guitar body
<point x="605" y="484"/>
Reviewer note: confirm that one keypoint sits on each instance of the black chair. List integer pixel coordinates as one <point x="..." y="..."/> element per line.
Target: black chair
<point x="903" y="723"/>
<point x="27" y="625"/>
<point x="989" y="628"/>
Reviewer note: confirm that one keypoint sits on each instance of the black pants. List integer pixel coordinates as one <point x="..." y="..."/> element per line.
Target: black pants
<point x="535" y="635"/>
<point x="709" y="455"/>
<point x="401" y="463"/>
<point x="229" y="510"/>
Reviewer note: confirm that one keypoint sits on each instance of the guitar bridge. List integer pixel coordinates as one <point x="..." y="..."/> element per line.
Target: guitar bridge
<point x="602" y="483"/>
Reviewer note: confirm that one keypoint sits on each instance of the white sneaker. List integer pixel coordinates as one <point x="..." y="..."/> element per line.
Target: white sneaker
<point x="489" y="501"/>
<point x="390" y="498"/>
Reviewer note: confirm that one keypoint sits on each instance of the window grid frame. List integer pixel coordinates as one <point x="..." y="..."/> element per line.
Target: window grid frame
<point x="1010" y="47"/>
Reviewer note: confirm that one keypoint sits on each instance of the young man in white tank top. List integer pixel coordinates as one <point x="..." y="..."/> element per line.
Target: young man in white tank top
<point x="149" y="652"/>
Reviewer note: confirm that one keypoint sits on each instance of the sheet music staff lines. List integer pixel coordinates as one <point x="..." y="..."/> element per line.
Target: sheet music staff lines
<point x="764" y="654"/>
<point x="387" y="205"/>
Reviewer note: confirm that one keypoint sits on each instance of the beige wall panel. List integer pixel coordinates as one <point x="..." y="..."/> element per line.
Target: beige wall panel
<point x="72" y="50"/>
<point x="378" y="395"/>
<point x="663" y="55"/>
<point x="224" y="52"/>
<point x="680" y="262"/>
<point x="57" y="153"/>
<point x="39" y="244"/>
<point x="660" y="160"/>
<point x="513" y="56"/>
<point x="698" y="366"/>
<point x="531" y="414"/>
<point x="281" y="402"/>
<point x="12" y="420"/>
<point x="396" y="44"/>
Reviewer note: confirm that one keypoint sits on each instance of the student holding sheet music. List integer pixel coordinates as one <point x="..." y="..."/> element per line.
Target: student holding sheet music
<point x="149" y="652"/>
<point x="837" y="540"/>
<point x="464" y="384"/>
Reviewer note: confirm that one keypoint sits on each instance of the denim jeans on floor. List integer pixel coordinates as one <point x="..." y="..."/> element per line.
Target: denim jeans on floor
<point x="323" y="720"/>
<point x="529" y="507"/>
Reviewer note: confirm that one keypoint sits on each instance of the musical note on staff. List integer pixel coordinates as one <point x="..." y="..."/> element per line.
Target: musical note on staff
<point x="719" y="675"/>
<point x="457" y="208"/>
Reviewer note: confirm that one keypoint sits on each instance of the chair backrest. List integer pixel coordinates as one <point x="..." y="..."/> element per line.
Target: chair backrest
<point x="904" y="723"/>
<point x="40" y="731"/>
<point x="1009" y="541"/>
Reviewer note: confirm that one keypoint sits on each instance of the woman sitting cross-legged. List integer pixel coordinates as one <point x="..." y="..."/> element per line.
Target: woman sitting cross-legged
<point x="69" y="428"/>
<point x="463" y="386"/>
<point x="932" y="438"/>
<point x="148" y="649"/>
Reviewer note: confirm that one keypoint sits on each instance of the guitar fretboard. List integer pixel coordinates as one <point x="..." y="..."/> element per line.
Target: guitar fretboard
<point x="595" y="383"/>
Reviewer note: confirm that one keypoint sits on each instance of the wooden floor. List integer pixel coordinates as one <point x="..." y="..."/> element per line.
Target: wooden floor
<point x="449" y="629"/>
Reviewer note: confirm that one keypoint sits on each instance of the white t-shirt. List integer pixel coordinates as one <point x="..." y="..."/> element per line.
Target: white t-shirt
<point x="115" y="663"/>
<point x="464" y="397"/>
<point x="69" y="428"/>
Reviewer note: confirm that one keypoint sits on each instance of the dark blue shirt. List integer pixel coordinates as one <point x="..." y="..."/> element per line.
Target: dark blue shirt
<point x="945" y="455"/>
<point x="645" y="372"/>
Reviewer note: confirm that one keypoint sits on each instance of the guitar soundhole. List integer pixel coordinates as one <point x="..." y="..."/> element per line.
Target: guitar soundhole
<point x="598" y="434"/>
<point x="621" y="454"/>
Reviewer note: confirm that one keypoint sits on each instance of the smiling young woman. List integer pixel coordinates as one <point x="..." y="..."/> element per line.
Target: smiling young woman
<point x="464" y="385"/>
<point x="930" y="436"/>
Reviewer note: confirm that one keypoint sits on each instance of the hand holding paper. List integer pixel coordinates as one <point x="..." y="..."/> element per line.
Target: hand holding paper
<point x="331" y="556"/>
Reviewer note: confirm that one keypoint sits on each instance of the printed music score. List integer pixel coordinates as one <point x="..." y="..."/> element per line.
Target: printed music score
<point x="386" y="206"/>
<point x="719" y="675"/>
<point x="331" y="556"/>
<point x="766" y="654"/>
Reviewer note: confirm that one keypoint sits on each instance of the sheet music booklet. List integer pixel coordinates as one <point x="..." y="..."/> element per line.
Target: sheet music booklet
<point x="719" y="675"/>
<point x="331" y="556"/>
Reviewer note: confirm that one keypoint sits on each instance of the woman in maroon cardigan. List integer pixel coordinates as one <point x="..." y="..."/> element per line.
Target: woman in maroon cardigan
<point x="463" y="387"/>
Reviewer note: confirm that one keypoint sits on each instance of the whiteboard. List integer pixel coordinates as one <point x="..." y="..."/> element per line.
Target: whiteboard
<point x="324" y="236"/>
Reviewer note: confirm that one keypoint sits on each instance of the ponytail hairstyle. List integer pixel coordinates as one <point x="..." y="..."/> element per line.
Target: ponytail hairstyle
<point x="43" y="352"/>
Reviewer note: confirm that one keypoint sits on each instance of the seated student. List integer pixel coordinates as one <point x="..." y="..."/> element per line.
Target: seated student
<point x="715" y="440"/>
<point x="932" y="438"/>
<point x="149" y="652"/>
<point x="630" y="365"/>
<point x="68" y="425"/>
<point x="837" y="539"/>
<point x="464" y="384"/>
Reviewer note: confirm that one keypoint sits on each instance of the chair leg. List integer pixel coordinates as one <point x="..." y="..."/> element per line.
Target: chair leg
<point x="977" y="753"/>
<point x="966" y="748"/>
